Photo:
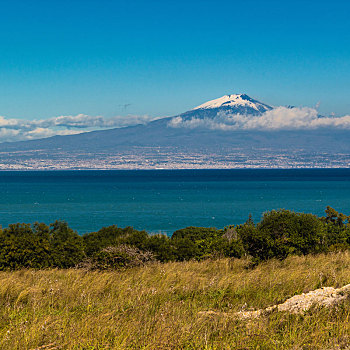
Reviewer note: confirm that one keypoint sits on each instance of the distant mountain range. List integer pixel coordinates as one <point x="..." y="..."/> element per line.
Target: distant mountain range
<point x="196" y="138"/>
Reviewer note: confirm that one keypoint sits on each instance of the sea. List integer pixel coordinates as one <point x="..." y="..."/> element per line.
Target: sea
<point x="162" y="201"/>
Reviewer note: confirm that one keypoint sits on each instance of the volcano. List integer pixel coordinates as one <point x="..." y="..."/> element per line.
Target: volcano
<point x="175" y="141"/>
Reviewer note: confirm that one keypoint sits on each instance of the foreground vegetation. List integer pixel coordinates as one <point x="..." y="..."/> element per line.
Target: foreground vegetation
<point x="119" y="288"/>
<point x="158" y="306"/>
<point x="279" y="234"/>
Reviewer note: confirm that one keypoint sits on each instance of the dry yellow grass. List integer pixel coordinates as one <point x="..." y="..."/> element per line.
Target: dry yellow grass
<point x="159" y="306"/>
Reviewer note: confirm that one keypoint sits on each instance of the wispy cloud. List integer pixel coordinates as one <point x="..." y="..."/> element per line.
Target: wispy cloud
<point x="280" y="118"/>
<point x="19" y="129"/>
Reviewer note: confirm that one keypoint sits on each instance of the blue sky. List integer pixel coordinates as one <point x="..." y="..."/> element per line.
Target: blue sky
<point x="165" y="57"/>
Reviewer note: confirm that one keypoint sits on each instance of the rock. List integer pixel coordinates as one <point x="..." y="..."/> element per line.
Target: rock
<point x="326" y="296"/>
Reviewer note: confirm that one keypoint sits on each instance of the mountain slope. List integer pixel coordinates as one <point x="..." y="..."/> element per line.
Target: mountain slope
<point x="157" y="133"/>
<point x="161" y="136"/>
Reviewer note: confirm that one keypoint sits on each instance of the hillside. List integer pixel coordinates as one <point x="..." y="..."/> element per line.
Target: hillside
<point x="165" y="306"/>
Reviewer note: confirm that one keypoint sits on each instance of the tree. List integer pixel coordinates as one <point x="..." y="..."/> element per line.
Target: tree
<point x="281" y="233"/>
<point x="67" y="247"/>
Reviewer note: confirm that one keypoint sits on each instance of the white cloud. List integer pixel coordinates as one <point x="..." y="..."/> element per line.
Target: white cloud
<point x="20" y="129"/>
<point x="39" y="133"/>
<point x="280" y="118"/>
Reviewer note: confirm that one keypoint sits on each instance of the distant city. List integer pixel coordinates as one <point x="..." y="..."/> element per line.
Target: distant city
<point x="153" y="158"/>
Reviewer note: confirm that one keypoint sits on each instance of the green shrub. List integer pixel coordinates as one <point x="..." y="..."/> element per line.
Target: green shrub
<point x="197" y="242"/>
<point x="281" y="233"/>
<point x="232" y="244"/>
<point x="106" y="236"/>
<point x="67" y="248"/>
<point x="21" y="246"/>
<point x="161" y="246"/>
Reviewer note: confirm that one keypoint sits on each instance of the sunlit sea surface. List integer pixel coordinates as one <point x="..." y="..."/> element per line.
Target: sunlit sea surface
<point x="166" y="200"/>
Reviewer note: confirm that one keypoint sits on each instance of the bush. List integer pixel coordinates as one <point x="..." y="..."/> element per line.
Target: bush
<point x="161" y="246"/>
<point x="281" y="233"/>
<point x="67" y="247"/>
<point x="21" y="246"/>
<point x="197" y="242"/>
<point x="39" y="246"/>
<point x="232" y="244"/>
<point x="254" y="242"/>
<point x="337" y="229"/>
<point x="122" y="256"/>
<point x="106" y="236"/>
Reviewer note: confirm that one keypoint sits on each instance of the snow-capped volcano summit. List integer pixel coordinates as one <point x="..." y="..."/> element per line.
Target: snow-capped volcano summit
<point x="235" y="100"/>
<point x="229" y="104"/>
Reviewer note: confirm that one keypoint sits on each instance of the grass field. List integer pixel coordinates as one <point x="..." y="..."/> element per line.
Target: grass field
<point x="158" y="306"/>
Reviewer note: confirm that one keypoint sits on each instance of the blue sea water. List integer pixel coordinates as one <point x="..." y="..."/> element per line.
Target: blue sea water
<point x="166" y="200"/>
